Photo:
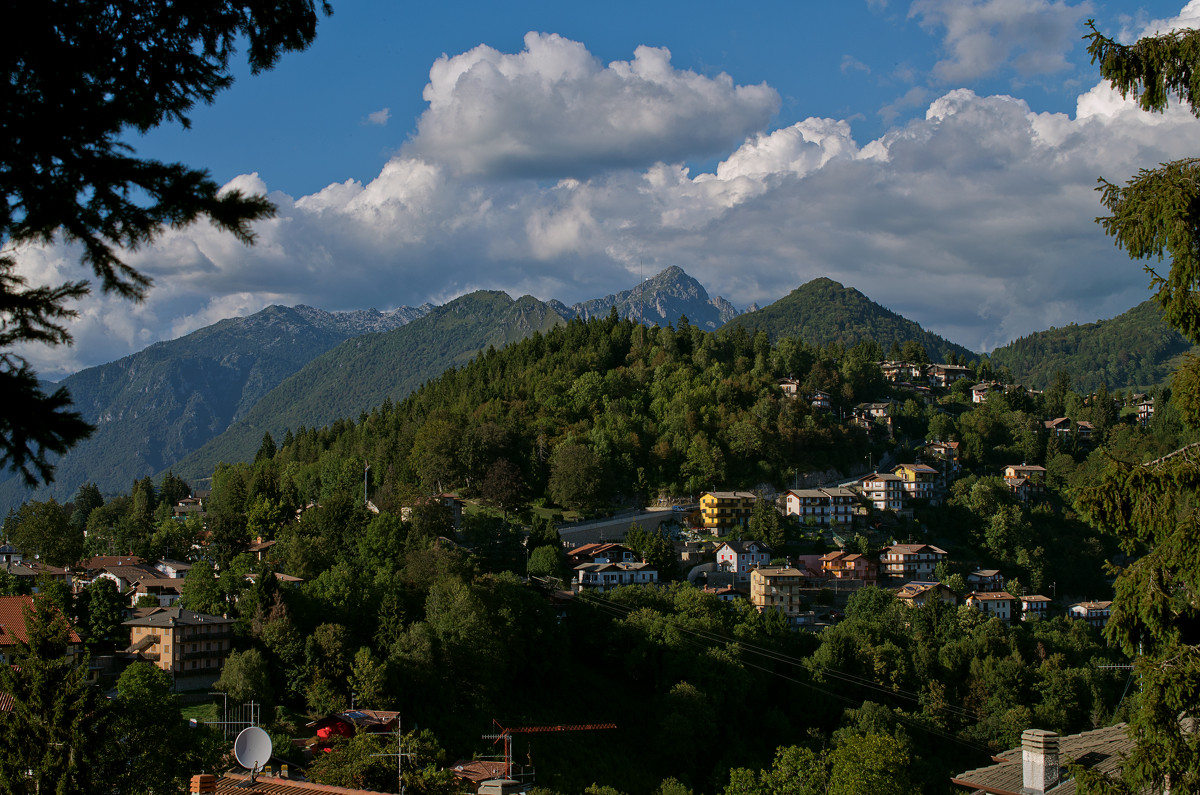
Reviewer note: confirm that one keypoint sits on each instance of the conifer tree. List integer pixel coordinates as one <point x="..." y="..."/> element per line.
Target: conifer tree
<point x="68" y="173"/>
<point x="52" y="739"/>
<point x="1152" y="507"/>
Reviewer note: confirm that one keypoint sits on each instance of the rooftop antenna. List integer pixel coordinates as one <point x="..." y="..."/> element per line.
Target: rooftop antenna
<point x="252" y="749"/>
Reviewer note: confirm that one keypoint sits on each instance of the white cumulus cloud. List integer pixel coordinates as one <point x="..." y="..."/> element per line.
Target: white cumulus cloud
<point x="554" y="110"/>
<point x="976" y="219"/>
<point x="982" y="36"/>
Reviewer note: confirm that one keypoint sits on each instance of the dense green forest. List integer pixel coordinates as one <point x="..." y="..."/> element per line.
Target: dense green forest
<point x="402" y="611"/>
<point x="1135" y="349"/>
<point x="823" y="312"/>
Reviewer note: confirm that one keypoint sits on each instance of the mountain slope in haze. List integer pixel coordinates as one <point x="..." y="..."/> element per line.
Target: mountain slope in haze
<point x="662" y="300"/>
<point x="823" y="312"/>
<point x="363" y="372"/>
<point x="1134" y="349"/>
<point x="153" y="407"/>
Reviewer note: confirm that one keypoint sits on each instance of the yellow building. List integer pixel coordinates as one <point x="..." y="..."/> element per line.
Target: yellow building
<point x="721" y="511"/>
<point x="180" y="641"/>
<point x="920" y="480"/>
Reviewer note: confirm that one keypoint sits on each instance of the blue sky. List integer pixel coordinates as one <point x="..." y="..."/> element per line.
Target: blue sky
<point x="939" y="155"/>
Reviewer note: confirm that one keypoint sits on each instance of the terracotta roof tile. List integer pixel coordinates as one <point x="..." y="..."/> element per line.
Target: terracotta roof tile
<point x="12" y="619"/>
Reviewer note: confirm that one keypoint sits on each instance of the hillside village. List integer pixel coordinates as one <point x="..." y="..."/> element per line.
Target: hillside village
<point x="802" y="558"/>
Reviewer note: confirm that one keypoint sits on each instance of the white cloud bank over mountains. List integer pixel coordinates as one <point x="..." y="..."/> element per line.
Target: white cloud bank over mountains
<point x="546" y="172"/>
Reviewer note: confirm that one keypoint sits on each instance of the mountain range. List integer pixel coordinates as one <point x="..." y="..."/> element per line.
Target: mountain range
<point x="187" y="404"/>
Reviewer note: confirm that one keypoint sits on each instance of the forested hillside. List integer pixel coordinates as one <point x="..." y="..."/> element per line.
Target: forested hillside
<point x="1135" y="349"/>
<point x="365" y="371"/>
<point x="403" y="611"/>
<point x="824" y="312"/>
<point x="154" y="407"/>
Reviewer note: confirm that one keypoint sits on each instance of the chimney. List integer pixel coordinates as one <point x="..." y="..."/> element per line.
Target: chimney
<point x="1039" y="761"/>
<point x="203" y="784"/>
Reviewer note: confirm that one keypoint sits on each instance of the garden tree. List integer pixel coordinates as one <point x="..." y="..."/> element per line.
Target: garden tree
<point x="143" y="501"/>
<point x="10" y="585"/>
<point x="44" y="529"/>
<point x="69" y="174"/>
<point x="104" y="610"/>
<point x="941" y="428"/>
<point x="495" y="542"/>
<point x="87" y="499"/>
<point x="55" y="736"/>
<point x="654" y="548"/>
<point x="704" y="466"/>
<point x="543" y="532"/>
<point x="576" y="477"/>
<point x="874" y="763"/>
<point x="913" y="351"/>
<point x="156" y="743"/>
<point x="1152" y="507"/>
<point x="359" y="762"/>
<point x="327" y="652"/>
<point x="264" y="517"/>
<point x="368" y="680"/>
<point x="546" y="561"/>
<point x="765" y="524"/>
<point x="363" y="762"/>
<point x="201" y="591"/>
<point x="381" y="544"/>
<point x="246" y="677"/>
<point x="503" y="485"/>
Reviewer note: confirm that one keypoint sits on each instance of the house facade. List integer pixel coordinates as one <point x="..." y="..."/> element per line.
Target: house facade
<point x="883" y="490"/>
<point x="181" y="642"/>
<point x="919" y="481"/>
<point x="741" y="558"/>
<point x="919" y="594"/>
<point x="986" y="580"/>
<point x="721" y="511"/>
<point x="777" y="588"/>
<point x="994" y="604"/>
<point x="606" y="576"/>
<point x="842" y="565"/>
<point x="824" y="506"/>
<point x="1095" y="613"/>
<point x="910" y="561"/>
<point x="1034" y="605"/>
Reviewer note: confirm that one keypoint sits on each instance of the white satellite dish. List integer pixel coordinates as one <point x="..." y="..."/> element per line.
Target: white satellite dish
<point x="252" y="749"/>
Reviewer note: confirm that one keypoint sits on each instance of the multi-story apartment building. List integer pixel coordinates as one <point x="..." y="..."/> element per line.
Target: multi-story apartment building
<point x="721" y="511"/>
<point x="919" y="481"/>
<point x="181" y="642"/>
<point x="910" y="561"/>
<point x="883" y="490"/>
<point x="824" y="506"/>
<point x="777" y="588"/>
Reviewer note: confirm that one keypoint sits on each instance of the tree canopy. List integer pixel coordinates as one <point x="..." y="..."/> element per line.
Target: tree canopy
<point x="66" y="173"/>
<point x="1151" y="507"/>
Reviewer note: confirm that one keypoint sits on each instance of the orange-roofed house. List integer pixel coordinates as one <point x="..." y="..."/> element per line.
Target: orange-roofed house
<point x="13" y="630"/>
